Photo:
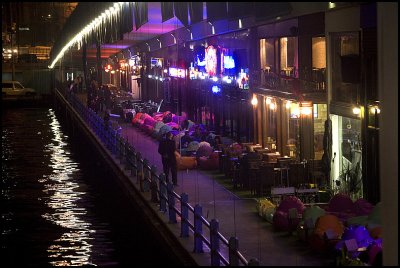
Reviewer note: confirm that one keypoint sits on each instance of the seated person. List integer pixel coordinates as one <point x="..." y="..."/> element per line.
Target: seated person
<point x="184" y="143"/>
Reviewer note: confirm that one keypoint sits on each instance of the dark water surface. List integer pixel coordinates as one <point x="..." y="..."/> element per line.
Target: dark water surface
<point x="60" y="206"/>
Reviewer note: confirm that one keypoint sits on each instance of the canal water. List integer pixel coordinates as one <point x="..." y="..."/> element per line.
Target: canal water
<point x="60" y="206"/>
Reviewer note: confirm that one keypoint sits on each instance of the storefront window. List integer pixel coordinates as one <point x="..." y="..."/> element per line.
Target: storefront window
<point x="346" y="67"/>
<point x="346" y="153"/>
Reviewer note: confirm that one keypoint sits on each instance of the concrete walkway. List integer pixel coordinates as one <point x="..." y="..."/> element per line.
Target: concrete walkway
<point x="237" y="217"/>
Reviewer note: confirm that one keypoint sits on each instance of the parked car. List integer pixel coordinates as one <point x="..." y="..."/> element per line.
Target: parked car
<point x="15" y="88"/>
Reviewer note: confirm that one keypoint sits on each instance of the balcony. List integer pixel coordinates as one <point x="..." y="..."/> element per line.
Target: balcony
<point x="287" y="81"/>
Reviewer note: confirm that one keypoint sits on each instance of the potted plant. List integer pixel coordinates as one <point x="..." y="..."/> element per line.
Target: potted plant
<point x="350" y="179"/>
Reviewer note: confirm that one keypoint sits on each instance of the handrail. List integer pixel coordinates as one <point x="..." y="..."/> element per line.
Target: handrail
<point x="146" y="174"/>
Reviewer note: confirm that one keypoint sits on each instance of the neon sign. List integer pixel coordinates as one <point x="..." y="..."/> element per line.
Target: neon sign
<point x="211" y="61"/>
<point x="229" y="62"/>
<point x="176" y="72"/>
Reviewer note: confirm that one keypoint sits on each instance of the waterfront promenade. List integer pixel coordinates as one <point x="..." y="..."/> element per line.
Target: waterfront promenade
<point x="237" y="216"/>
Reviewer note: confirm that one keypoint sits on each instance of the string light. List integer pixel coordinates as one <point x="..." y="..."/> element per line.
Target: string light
<point x="96" y="23"/>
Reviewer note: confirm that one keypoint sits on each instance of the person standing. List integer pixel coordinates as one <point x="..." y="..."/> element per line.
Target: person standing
<point x="166" y="149"/>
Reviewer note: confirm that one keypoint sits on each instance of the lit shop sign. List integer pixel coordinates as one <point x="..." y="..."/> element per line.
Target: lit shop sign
<point x="134" y="61"/>
<point x="211" y="61"/>
<point x="176" y="72"/>
<point x="229" y="62"/>
<point x="156" y="62"/>
<point x="243" y="80"/>
<point x="200" y="63"/>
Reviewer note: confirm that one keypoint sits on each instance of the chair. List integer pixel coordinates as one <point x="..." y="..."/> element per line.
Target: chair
<point x="283" y="164"/>
<point x="265" y="180"/>
<point x="297" y="174"/>
<point x="252" y="175"/>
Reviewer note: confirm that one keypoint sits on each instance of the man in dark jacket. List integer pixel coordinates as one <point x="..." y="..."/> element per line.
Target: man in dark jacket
<point x="166" y="149"/>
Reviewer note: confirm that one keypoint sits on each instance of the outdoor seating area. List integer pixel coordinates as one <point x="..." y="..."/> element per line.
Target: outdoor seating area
<point x="349" y="231"/>
<point x="196" y="146"/>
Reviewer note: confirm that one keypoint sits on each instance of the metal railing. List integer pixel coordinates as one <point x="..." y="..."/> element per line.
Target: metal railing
<point x="163" y="193"/>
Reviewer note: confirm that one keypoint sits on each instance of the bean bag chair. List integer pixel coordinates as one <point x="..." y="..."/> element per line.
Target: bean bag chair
<point x="204" y="149"/>
<point x="164" y="130"/>
<point x="208" y="163"/>
<point x="174" y="132"/>
<point x="312" y="214"/>
<point x="235" y="149"/>
<point x="342" y="206"/>
<point x="291" y="202"/>
<point x="178" y="119"/>
<point x="341" y="202"/>
<point x="376" y="232"/>
<point x="167" y="117"/>
<point x="370" y="221"/>
<point x="374" y="218"/>
<point x="185" y="162"/>
<point x="193" y="146"/>
<point x="149" y="121"/>
<point x="158" y="116"/>
<point x="173" y="125"/>
<point x="331" y="225"/>
<point x="158" y="126"/>
<point x="266" y="209"/>
<point x="328" y="222"/>
<point x="359" y="233"/>
<point x="136" y="118"/>
<point x="362" y="207"/>
<point x="373" y="252"/>
<point x="280" y="219"/>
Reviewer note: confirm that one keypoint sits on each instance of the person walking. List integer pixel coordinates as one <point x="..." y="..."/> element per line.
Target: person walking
<point x="166" y="149"/>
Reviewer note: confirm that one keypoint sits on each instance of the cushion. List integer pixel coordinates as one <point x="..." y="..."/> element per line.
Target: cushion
<point x="185" y="162"/>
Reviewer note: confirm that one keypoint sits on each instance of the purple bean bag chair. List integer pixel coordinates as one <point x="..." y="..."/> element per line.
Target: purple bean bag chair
<point x="362" y="207"/>
<point x="341" y="203"/>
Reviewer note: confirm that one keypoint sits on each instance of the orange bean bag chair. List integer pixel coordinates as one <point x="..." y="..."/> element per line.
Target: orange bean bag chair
<point x="185" y="162"/>
<point x="332" y="226"/>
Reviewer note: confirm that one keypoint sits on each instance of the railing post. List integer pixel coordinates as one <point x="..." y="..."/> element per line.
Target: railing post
<point x="144" y="182"/>
<point x="214" y="240"/>
<point x="171" y="203"/>
<point x="198" y="229"/>
<point x="114" y="141"/>
<point x="163" y="193"/>
<point x="153" y="185"/>
<point x="185" y="215"/>
<point x="233" y="249"/>
<point x="128" y="155"/>
<point x="139" y="170"/>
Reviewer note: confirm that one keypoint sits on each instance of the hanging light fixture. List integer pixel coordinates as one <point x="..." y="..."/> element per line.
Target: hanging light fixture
<point x="254" y="101"/>
<point x="306" y="107"/>
<point x="356" y="110"/>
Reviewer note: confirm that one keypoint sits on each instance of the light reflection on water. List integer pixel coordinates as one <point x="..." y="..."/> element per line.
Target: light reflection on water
<point x="60" y="203"/>
<point x="73" y="247"/>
